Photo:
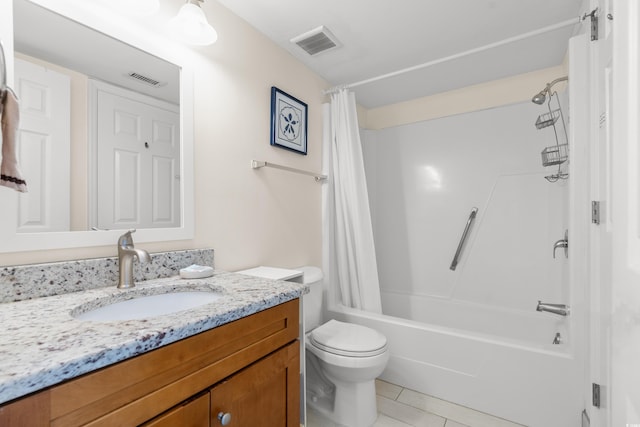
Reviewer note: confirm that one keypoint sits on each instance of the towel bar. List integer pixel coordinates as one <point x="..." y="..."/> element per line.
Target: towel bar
<point x="257" y="164"/>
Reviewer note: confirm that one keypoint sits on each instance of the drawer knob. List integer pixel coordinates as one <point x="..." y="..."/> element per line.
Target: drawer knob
<point x="224" y="418"/>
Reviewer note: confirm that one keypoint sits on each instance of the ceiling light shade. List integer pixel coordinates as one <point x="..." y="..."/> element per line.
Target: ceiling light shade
<point x="191" y="26"/>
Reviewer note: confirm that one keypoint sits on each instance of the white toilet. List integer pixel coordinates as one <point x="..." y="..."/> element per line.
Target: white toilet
<point x="342" y="362"/>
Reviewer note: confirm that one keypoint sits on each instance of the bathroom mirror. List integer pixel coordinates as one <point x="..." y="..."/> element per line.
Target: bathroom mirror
<point x="136" y="85"/>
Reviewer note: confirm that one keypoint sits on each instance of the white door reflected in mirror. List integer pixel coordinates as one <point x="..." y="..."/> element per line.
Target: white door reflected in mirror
<point x="137" y="146"/>
<point x="44" y="149"/>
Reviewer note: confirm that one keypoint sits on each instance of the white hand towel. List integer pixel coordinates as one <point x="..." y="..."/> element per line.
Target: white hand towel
<point x="10" y="175"/>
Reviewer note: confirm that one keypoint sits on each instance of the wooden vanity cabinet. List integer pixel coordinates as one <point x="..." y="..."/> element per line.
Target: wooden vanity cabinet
<point x="248" y="368"/>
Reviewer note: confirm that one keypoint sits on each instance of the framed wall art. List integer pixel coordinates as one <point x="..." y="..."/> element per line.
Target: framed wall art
<point x="288" y="122"/>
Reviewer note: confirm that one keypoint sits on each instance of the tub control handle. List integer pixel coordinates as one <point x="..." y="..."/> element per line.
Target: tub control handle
<point x="465" y="233"/>
<point x="562" y="243"/>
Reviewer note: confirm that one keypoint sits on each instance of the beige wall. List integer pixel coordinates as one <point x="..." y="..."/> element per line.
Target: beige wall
<point x="472" y="98"/>
<point x="250" y="217"/>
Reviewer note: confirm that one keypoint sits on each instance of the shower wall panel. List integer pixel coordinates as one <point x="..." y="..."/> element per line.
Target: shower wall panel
<point x="425" y="178"/>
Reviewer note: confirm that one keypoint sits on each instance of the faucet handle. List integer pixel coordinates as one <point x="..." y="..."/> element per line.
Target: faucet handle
<point x="562" y="243"/>
<point x="126" y="239"/>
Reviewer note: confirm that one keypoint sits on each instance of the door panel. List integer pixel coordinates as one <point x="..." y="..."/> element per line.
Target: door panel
<point x="624" y="288"/>
<point x="138" y="161"/>
<point x="44" y="148"/>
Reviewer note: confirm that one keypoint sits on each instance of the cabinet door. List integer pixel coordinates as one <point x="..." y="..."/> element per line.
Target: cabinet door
<point x="265" y="394"/>
<point x="193" y="413"/>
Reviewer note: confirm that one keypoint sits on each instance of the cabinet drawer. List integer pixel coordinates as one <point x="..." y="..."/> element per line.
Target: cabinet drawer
<point x="193" y="413"/>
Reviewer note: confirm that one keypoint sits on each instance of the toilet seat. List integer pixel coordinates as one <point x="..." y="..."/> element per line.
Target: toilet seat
<point x="347" y="339"/>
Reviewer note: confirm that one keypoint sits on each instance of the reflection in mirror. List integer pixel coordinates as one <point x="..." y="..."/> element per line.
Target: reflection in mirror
<point x="100" y="128"/>
<point x="3" y="76"/>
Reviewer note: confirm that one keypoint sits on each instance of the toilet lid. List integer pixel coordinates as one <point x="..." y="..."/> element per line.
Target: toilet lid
<point x="347" y="339"/>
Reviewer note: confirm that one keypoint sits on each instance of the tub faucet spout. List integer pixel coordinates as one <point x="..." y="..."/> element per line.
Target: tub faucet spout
<point x="126" y="254"/>
<point x="560" y="309"/>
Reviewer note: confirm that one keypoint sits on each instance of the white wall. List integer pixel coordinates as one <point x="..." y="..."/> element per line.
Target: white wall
<point x="425" y="177"/>
<point x="249" y="217"/>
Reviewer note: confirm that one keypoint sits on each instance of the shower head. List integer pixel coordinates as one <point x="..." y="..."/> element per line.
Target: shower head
<point x="541" y="96"/>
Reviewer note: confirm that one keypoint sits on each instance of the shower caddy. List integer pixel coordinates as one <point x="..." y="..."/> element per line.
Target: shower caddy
<point x="559" y="153"/>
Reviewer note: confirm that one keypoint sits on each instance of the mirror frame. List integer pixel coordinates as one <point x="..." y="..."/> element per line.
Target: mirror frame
<point x="108" y="22"/>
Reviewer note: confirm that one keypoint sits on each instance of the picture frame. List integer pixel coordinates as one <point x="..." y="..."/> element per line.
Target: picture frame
<point x="288" y="122"/>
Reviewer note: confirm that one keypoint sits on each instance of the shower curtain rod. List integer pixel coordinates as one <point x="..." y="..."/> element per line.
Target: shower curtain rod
<point x="533" y="33"/>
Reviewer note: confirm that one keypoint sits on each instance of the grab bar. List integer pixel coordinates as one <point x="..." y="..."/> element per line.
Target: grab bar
<point x="472" y="216"/>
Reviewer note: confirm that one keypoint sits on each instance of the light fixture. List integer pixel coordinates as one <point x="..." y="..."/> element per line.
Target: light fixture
<point x="191" y="26"/>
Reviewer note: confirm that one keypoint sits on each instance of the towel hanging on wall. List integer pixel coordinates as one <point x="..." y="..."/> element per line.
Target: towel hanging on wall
<point x="10" y="175"/>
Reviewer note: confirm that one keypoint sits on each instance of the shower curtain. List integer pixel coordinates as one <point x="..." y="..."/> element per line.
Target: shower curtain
<point x="349" y="258"/>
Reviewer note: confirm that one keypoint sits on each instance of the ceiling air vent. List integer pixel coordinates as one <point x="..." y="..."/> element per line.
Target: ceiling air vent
<point x="316" y="41"/>
<point x="145" y="79"/>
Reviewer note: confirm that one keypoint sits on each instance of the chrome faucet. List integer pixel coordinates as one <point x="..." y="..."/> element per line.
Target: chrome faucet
<point x="560" y="309"/>
<point x="126" y="253"/>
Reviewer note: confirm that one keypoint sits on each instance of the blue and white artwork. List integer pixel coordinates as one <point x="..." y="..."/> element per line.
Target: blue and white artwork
<point x="288" y="121"/>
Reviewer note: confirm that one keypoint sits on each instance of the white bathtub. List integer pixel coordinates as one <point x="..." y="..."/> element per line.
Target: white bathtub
<point x="511" y="369"/>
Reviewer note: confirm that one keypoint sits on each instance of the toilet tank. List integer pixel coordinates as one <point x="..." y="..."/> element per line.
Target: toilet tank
<point x="312" y="302"/>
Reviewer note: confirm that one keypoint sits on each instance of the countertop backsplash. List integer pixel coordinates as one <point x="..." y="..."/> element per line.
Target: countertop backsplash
<point x="25" y="282"/>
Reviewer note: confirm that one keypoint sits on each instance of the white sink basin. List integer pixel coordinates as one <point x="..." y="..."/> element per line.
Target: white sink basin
<point x="143" y="307"/>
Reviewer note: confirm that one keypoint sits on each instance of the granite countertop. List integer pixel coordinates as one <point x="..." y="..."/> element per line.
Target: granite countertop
<point x="42" y="344"/>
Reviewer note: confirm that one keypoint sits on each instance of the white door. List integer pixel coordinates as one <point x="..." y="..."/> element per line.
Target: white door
<point x="601" y="234"/>
<point x="138" y="161"/>
<point x="43" y="147"/>
<point x="625" y="280"/>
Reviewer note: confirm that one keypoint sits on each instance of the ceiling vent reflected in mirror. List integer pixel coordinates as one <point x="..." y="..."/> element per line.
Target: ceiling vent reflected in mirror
<point x="317" y="41"/>
<point x="145" y="79"/>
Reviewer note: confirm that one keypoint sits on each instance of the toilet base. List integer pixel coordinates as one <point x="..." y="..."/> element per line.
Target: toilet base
<point x="354" y="404"/>
<point x="352" y="375"/>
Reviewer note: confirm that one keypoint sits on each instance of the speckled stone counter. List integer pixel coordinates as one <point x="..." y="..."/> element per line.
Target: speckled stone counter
<point x="42" y="344"/>
<point x="23" y="282"/>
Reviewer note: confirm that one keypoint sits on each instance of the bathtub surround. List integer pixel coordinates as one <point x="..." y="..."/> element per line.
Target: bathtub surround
<point x="18" y="283"/>
<point x="423" y="180"/>
<point x="352" y="265"/>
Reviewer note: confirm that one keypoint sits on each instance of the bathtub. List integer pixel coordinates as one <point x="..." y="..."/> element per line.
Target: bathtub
<point x="493" y="360"/>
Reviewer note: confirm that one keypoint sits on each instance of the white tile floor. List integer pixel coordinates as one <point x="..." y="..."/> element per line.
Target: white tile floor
<point x="401" y="407"/>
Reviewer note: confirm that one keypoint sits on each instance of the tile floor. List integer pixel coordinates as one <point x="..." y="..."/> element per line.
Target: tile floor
<point x="401" y="407"/>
